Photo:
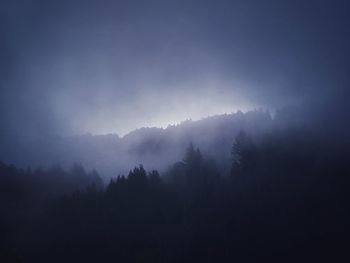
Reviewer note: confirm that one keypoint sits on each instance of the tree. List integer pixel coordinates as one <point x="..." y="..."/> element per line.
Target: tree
<point x="137" y="178"/>
<point x="154" y="178"/>
<point x="193" y="166"/>
<point x="243" y="153"/>
<point x="192" y="157"/>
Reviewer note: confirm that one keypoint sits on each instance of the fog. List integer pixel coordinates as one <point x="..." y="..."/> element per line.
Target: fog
<point x="174" y="130"/>
<point x="77" y="67"/>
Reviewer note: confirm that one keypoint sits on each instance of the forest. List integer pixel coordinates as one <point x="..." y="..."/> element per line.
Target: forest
<point x="174" y="131"/>
<point x="284" y="199"/>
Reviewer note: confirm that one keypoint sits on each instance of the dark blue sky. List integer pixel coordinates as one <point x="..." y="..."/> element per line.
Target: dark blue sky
<point x="113" y="66"/>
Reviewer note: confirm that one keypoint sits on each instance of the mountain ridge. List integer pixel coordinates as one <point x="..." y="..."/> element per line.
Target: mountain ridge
<point x="153" y="147"/>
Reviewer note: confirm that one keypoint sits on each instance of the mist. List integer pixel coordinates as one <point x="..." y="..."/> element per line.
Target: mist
<point x="174" y="131"/>
<point x="115" y="66"/>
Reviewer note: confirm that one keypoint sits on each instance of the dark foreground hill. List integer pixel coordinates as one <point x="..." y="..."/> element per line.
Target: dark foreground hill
<point x="285" y="199"/>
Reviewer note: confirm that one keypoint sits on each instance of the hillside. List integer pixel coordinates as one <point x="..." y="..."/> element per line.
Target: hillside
<point x="153" y="147"/>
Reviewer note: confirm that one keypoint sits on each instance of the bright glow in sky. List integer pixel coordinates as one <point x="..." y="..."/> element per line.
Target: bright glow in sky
<point x="114" y="66"/>
<point x="163" y="107"/>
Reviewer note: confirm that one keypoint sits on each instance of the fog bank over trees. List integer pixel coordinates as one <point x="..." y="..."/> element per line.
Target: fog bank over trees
<point x="282" y="195"/>
<point x="156" y="148"/>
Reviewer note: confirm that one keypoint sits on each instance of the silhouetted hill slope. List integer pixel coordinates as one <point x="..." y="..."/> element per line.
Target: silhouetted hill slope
<point x="153" y="147"/>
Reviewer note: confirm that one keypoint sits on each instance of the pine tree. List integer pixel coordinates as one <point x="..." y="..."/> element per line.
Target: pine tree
<point x="243" y="153"/>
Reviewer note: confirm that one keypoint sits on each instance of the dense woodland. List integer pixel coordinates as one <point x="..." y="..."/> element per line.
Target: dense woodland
<point x="174" y="131"/>
<point x="286" y="198"/>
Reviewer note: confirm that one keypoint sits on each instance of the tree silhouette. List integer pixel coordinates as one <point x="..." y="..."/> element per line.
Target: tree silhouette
<point x="243" y="153"/>
<point x="193" y="167"/>
<point x="294" y="201"/>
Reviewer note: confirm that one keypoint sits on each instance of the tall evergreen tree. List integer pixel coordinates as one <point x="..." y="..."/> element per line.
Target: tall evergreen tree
<point x="243" y="153"/>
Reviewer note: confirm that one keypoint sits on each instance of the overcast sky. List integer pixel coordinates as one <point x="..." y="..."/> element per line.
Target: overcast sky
<point x="78" y="66"/>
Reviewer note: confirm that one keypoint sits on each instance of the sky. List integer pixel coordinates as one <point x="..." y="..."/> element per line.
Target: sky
<point x="82" y="66"/>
